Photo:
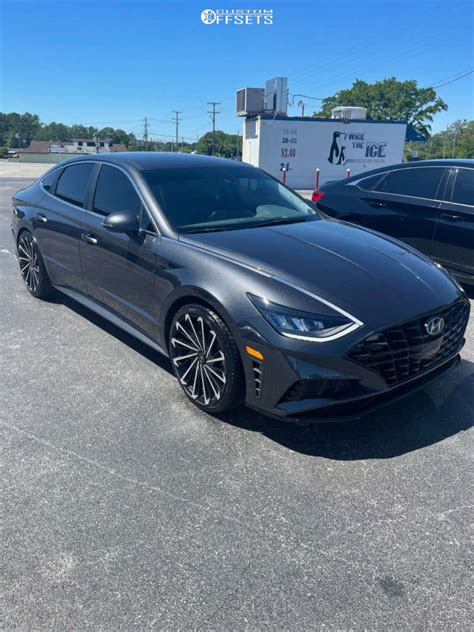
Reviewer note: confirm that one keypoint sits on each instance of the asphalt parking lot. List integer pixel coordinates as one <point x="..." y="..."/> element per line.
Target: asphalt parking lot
<point x="126" y="508"/>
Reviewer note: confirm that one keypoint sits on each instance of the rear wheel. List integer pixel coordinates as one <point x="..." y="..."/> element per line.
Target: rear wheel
<point x="32" y="267"/>
<point x="205" y="359"/>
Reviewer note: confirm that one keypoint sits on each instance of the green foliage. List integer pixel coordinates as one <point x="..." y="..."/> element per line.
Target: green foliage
<point x="390" y="99"/>
<point x="457" y="141"/>
<point x="17" y="130"/>
<point x="227" y="145"/>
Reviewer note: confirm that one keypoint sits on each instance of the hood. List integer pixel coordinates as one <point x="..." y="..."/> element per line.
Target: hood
<point x="377" y="279"/>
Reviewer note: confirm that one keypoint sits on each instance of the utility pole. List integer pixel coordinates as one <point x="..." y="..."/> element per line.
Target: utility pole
<point x="145" y="133"/>
<point x="454" y="143"/>
<point x="177" y="120"/>
<point x="301" y="105"/>
<point x="213" y="116"/>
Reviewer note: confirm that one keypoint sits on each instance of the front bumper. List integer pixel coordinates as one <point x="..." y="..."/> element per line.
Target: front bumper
<point x="311" y="382"/>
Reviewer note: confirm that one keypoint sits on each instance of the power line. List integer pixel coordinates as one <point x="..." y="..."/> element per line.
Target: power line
<point x="445" y="83"/>
<point x="213" y="116"/>
<point x="177" y="120"/>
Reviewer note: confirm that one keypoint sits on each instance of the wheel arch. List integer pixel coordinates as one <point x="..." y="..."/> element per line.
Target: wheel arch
<point x="197" y="296"/>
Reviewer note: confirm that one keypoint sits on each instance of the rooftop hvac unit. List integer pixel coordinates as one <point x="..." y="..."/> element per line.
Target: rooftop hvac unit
<point x="276" y="95"/>
<point x="250" y="101"/>
<point x="348" y="112"/>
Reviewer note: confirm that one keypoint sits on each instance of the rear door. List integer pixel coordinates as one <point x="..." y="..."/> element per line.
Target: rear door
<point x="58" y="222"/>
<point x="119" y="268"/>
<point x="405" y="204"/>
<point x="454" y="234"/>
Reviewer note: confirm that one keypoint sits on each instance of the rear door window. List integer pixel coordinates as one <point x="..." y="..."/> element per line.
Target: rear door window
<point x="420" y="182"/>
<point x="463" y="192"/>
<point x="73" y="183"/>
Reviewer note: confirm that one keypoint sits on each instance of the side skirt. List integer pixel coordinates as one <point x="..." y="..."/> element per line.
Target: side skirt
<point x="112" y="318"/>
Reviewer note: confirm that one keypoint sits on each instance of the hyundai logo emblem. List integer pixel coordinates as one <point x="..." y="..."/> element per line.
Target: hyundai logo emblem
<point x="435" y="325"/>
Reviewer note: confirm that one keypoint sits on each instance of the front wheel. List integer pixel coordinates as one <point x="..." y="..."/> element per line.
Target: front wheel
<point x="205" y="359"/>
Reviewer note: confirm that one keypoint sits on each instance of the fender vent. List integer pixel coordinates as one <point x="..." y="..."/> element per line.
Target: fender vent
<point x="257" y="377"/>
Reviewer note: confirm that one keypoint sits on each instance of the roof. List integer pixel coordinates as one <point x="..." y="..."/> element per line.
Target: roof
<point x="142" y="160"/>
<point x="325" y="119"/>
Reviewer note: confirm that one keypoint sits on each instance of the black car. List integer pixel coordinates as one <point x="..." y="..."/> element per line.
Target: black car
<point x="252" y="293"/>
<point x="428" y="204"/>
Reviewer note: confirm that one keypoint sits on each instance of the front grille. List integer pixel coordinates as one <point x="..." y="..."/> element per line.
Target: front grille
<point x="400" y="353"/>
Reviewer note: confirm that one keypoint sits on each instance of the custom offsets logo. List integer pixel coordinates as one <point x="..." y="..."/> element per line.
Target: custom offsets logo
<point x="237" y="16"/>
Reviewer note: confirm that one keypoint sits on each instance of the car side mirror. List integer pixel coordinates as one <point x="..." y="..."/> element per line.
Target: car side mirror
<point x="122" y="222"/>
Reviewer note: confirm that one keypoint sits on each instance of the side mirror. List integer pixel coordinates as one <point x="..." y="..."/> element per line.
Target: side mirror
<point x="122" y="222"/>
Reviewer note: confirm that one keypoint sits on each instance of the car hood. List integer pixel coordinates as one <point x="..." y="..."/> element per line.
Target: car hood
<point x="377" y="279"/>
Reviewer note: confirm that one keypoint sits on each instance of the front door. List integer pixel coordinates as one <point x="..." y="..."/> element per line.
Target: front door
<point x="407" y="202"/>
<point x="454" y="236"/>
<point x="119" y="268"/>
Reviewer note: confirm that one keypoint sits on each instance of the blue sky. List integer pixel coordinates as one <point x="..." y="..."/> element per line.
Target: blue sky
<point x="111" y="62"/>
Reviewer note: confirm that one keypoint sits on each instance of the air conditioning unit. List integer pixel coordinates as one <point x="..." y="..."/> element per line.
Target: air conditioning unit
<point x="348" y="112"/>
<point x="250" y="101"/>
<point x="276" y="95"/>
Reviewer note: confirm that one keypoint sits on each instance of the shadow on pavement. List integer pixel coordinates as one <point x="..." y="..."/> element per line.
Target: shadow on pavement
<point x="405" y="426"/>
<point x="410" y="424"/>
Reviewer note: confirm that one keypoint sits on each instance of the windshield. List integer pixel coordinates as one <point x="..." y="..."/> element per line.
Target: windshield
<point x="224" y="198"/>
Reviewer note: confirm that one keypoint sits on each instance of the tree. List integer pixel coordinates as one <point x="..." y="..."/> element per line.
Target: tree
<point x="390" y="99"/>
<point x="457" y="141"/>
<point x="227" y="145"/>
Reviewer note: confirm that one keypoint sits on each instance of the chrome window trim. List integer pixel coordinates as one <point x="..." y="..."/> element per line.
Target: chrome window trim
<point x="75" y="162"/>
<point x="41" y="178"/>
<point x="415" y="197"/>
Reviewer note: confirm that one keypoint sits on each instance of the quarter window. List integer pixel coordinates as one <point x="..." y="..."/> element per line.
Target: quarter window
<point x="421" y="182"/>
<point x="73" y="182"/>
<point x="48" y="180"/>
<point x="370" y="184"/>
<point x="464" y="187"/>
<point x="114" y="192"/>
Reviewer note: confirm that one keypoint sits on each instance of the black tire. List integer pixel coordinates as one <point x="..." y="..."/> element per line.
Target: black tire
<point x="210" y="382"/>
<point x="32" y="268"/>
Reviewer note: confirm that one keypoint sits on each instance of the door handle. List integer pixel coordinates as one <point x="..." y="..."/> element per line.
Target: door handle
<point x="377" y="204"/>
<point x="42" y="219"/>
<point x="89" y="238"/>
<point x="450" y="217"/>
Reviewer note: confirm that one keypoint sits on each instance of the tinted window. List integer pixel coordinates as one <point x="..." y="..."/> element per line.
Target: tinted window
<point x="48" y="181"/>
<point x="369" y="184"/>
<point x="72" y="183"/>
<point x="464" y="187"/>
<point x="114" y="192"/>
<point x="422" y="182"/>
<point x="221" y="198"/>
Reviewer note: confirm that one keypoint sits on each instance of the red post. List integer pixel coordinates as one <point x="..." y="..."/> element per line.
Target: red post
<point x="348" y="173"/>
<point x="316" y="183"/>
<point x="283" y="175"/>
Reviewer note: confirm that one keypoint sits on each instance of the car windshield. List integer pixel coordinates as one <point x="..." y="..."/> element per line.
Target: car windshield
<point x="224" y="198"/>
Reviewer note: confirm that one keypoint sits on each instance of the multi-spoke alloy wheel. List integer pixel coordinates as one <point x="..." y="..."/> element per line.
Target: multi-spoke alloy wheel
<point x="32" y="267"/>
<point x="205" y="359"/>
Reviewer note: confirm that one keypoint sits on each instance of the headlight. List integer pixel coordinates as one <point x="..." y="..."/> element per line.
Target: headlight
<point x="303" y="325"/>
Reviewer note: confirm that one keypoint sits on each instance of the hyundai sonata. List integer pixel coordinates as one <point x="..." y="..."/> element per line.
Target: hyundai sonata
<point x="253" y="294"/>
